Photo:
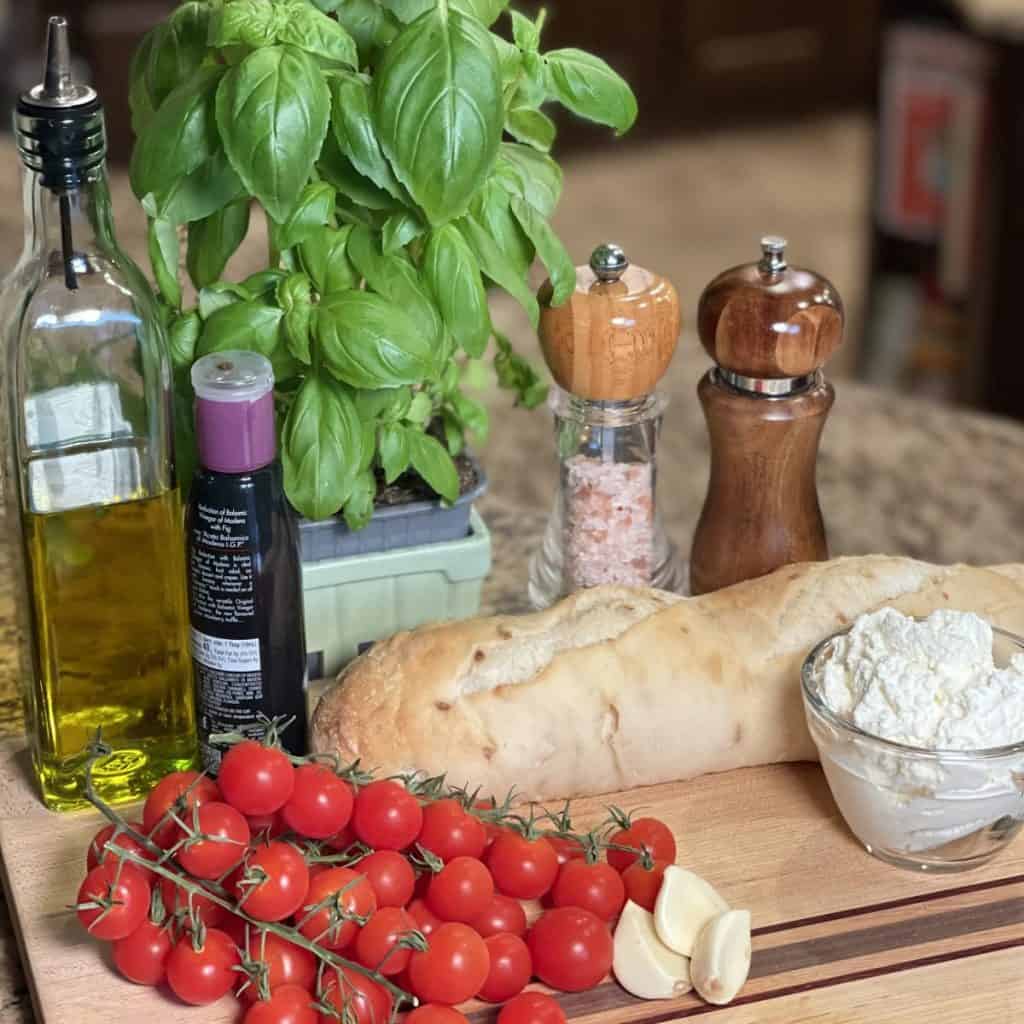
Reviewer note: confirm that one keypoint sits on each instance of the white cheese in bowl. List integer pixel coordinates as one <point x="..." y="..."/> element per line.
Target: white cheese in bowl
<point x="931" y="683"/>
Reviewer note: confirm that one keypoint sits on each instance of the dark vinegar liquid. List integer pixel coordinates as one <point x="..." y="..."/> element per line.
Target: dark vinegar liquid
<point x="245" y="598"/>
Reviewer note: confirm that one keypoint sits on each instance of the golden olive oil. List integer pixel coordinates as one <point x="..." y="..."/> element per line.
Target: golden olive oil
<point x="107" y="595"/>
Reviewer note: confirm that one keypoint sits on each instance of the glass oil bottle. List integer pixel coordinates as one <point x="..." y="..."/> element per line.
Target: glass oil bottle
<point x="90" y="484"/>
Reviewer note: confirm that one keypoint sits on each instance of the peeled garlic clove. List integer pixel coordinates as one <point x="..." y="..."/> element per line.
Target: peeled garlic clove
<point x="643" y="964"/>
<point x="684" y="905"/>
<point x="721" y="957"/>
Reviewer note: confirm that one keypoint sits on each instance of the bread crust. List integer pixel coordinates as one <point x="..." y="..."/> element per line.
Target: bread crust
<point x="616" y="688"/>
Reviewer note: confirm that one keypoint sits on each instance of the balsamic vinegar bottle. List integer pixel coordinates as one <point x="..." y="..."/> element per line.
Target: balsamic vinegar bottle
<point x="244" y="568"/>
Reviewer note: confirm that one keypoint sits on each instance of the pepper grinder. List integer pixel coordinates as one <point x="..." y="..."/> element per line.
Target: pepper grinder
<point x="769" y="328"/>
<point x="607" y="347"/>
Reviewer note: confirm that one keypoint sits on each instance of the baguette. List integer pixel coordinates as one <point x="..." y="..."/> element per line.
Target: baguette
<point x="615" y="688"/>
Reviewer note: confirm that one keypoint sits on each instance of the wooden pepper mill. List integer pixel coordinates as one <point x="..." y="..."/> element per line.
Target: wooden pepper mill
<point x="607" y="347"/>
<point x="769" y="328"/>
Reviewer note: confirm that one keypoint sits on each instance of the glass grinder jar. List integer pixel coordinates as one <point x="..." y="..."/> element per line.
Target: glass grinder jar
<point x="607" y="347"/>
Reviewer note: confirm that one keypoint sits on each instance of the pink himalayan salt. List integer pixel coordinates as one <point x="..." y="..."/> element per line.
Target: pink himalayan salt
<point x="609" y="522"/>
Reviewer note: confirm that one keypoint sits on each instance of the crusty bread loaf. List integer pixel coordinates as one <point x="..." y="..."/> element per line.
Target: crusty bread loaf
<point x="615" y="688"/>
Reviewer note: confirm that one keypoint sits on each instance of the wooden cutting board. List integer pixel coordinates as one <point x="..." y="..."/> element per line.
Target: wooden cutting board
<point x="839" y="937"/>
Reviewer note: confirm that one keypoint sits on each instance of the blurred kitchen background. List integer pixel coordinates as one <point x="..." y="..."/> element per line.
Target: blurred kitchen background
<point x="883" y="138"/>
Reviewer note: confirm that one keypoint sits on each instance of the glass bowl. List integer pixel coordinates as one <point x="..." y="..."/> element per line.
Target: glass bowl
<point x="928" y="810"/>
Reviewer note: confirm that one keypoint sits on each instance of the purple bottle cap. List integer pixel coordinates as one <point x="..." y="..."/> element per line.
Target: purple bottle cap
<point x="234" y="411"/>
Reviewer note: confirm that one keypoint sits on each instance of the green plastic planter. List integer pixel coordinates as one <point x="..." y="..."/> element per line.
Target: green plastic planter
<point x="352" y="602"/>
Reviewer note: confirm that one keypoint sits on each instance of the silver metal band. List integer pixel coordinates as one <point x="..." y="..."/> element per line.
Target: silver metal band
<point x="767" y="387"/>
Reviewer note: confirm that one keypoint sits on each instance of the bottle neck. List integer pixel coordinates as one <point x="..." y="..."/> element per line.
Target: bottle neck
<point x="68" y="224"/>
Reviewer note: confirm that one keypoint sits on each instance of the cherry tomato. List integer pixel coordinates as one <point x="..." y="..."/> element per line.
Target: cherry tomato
<point x="434" y="1013"/>
<point x="256" y="779"/>
<point x="177" y="899"/>
<point x="651" y="834"/>
<point x="320" y="804"/>
<point x="391" y="876"/>
<point x="524" y="868"/>
<point x="181" y="791"/>
<point x="287" y="964"/>
<point x="365" y="1000"/>
<point x="284" y="888"/>
<point x="125" y="889"/>
<point x="567" y="849"/>
<point x="460" y="890"/>
<point x="510" y="968"/>
<point x="203" y="975"/>
<point x="342" y="839"/>
<point x="532" y="1008"/>
<point x="344" y="886"/>
<point x="234" y="926"/>
<point x="290" y="1004"/>
<point x="450" y="831"/>
<point x="453" y="969"/>
<point x="266" y="826"/>
<point x="502" y="914"/>
<point x="491" y="829"/>
<point x="387" y="816"/>
<point x="228" y="834"/>
<point x="98" y="854"/>
<point x="595" y="887"/>
<point x="642" y="884"/>
<point x="571" y="948"/>
<point x="142" y="956"/>
<point x="378" y="937"/>
<point x="426" y="920"/>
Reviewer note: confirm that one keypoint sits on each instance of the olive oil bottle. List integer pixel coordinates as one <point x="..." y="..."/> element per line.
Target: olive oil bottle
<point x="90" y="485"/>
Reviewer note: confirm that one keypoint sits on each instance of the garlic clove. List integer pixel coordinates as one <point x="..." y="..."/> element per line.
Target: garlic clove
<point x="721" y="957"/>
<point x="642" y="963"/>
<point x="685" y="903"/>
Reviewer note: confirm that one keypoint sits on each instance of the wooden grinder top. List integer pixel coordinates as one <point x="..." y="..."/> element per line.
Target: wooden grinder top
<point x="769" y="320"/>
<point x="614" y="338"/>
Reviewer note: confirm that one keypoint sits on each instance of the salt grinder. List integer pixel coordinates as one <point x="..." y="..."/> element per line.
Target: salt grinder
<point x="769" y="328"/>
<point x="607" y="348"/>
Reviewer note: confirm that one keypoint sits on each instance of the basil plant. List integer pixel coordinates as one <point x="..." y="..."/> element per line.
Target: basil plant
<point x="400" y="154"/>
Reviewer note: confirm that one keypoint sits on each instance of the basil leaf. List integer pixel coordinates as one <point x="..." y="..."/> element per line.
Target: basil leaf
<point x="214" y="240"/>
<point x="387" y="405"/>
<point x="306" y="28"/>
<point x="140" y="102"/>
<point x="430" y="459"/>
<point x="498" y="267"/>
<point x="311" y="214"/>
<point x="486" y="11"/>
<point x="182" y="337"/>
<point x="342" y="174"/>
<point x="400" y="229"/>
<point x="181" y="136"/>
<point x="587" y="86"/>
<point x="394" y="276"/>
<point x="394" y="451"/>
<point x="219" y="295"/>
<point x="532" y="176"/>
<point x="353" y="131"/>
<point x="438" y="109"/>
<point x="550" y="250"/>
<point x="325" y="259"/>
<point x="250" y="23"/>
<point x="263" y="284"/>
<point x="252" y="326"/>
<point x="322" y="447"/>
<point x="273" y="111"/>
<point x="295" y="295"/>
<point x="453" y="274"/>
<point x="516" y="374"/>
<point x="420" y="409"/>
<point x="531" y="127"/>
<point x="209" y="188"/>
<point x="510" y="60"/>
<point x="472" y="415"/>
<point x="454" y="435"/>
<point x="177" y="50"/>
<point x="525" y="32"/>
<point x="533" y="86"/>
<point x="367" y="22"/>
<point x="369" y="342"/>
<point x="491" y="209"/>
<point x="358" y="509"/>
<point x="164" y="251"/>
